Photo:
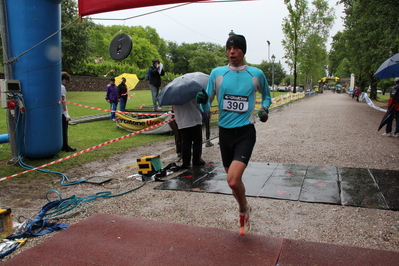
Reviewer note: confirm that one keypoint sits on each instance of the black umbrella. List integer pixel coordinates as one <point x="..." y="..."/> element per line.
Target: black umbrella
<point x="389" y="116"/>
<point x="183" y="89"/>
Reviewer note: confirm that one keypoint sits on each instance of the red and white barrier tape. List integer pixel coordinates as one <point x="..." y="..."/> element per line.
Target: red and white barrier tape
<point x="90" y="149"/>
<point x="105" y="110"/>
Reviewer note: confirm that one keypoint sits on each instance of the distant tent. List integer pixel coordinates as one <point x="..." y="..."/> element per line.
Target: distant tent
<point x="90" y="7"/>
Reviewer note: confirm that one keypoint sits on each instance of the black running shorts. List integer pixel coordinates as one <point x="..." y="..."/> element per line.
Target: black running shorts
<point x="236" y="144"/>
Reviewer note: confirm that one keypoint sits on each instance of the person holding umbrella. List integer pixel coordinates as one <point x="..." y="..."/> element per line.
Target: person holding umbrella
<point x="393" y="106"/>
<point x="122" y="95"/>
<point x="235" y="87"/>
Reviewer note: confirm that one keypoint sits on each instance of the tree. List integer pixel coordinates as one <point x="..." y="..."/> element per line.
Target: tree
<point x="344" y="69"/>
<point x="205" y="61"/>
<point x="75" y="38"/>
<point x="267" y="68"/>
<point x="313" y="53"/>
<point x="306" y="32"/>
<point x="146" y="45"/>
<point x="293" y="28"/>
<point x="313" y="59"/>
<point x="373" y="27"/>
<point x="201" y="57"/>
<point x="338" y="53"/>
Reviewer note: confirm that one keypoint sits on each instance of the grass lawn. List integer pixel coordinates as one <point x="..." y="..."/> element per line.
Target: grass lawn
<point x="382" y="100"/>
<point x="82" y="136"/>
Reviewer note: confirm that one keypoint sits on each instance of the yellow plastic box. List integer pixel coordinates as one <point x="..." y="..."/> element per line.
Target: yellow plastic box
<point x="6" y="226"/>
<point x="150" y="164"/>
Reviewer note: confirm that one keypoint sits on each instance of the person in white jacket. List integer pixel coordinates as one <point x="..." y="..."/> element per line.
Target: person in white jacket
<point x="189" y="121"/>
<point x="65" y="79"/>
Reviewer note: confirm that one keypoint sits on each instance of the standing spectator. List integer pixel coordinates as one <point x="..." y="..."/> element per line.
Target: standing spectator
<point x="155" y="71"/>
<point x="235" y="87"/>
<point x="393" y="105"/>
<point x="111" y="96"/>
<point x="206" y="121"/>
<point x="176" y="133"/>
<point x="122" y="95"/>
<point x="357" y="94"/>
<point x="65" y="79"/>
<point x="189" y="121"/>
<point x="354" y="92"/>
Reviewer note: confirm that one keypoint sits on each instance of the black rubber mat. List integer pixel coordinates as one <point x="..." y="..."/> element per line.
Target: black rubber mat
<point x="369" y="188"/>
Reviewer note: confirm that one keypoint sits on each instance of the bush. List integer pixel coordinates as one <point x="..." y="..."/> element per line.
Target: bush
<point x="102" y="68"/>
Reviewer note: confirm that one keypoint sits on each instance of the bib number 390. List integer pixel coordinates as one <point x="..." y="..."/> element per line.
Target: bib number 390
<point x="235" y="103"/>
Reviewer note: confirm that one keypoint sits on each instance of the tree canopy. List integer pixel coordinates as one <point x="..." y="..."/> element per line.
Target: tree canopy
<point x="307" y="30"/>
<point x="370" y="37"/>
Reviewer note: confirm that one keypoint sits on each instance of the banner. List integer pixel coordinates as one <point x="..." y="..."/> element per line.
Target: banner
<point x="365" y="97"/>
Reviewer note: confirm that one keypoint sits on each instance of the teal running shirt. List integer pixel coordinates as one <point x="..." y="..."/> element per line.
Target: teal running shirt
<point x="236" y="94"/>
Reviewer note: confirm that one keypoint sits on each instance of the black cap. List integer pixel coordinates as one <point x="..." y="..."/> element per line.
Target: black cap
<point x="237" y="40"/>
<point x="155" y="60"/>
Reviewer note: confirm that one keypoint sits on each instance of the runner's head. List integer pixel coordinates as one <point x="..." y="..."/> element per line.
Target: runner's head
<point x="237" y="40"/>
<point x="236" y="47"/>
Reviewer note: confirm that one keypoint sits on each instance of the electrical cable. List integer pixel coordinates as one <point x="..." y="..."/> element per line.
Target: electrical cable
<point x="74" y="201"/>
<point x="65" y="180"/>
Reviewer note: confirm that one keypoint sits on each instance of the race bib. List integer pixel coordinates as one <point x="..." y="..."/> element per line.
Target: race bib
<point x="235" y="103"/>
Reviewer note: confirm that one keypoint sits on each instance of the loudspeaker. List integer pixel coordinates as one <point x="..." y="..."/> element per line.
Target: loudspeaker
<point x="120" y="47"/>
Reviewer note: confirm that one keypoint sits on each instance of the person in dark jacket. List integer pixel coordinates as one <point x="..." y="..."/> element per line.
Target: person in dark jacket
<point x="122" y="94"/>
<point x="111" y="96"/>
<point x="156" y="71"/>
<point x="393" y="105"/>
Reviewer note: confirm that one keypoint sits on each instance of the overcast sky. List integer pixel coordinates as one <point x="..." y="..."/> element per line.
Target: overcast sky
<point x="259" y="21"/>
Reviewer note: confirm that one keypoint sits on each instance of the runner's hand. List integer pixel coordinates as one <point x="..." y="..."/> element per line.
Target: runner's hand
<point x="202" y="97"/>
<point x="263" y="114"/>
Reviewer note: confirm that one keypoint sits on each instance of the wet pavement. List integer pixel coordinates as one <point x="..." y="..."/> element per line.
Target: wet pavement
<point x="368" y="188"/>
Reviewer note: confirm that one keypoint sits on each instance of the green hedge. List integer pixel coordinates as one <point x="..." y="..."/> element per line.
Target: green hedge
<point x="102" y="68"/>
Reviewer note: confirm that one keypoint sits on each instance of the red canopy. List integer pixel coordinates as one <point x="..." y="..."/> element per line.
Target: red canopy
<point x="90" y="7"/>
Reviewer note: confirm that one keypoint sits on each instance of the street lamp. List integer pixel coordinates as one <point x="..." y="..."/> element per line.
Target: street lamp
<point x="273" y="58"/>
<point x="231" y="33"/>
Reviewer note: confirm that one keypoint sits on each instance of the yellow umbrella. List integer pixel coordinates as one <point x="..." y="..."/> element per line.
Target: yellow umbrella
<point x="131" y="80"/>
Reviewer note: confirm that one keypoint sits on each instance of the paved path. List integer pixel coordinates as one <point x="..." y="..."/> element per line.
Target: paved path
<point x="328" y="129"/>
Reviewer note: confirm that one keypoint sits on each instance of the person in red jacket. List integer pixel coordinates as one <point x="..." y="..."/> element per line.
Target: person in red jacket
<point x="394" y="105"/>
<point x="357" y="94"/>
